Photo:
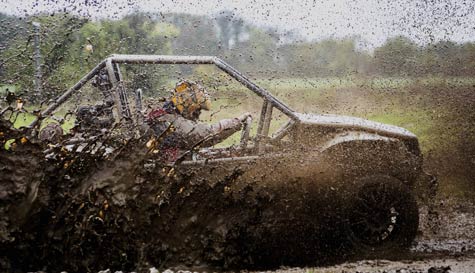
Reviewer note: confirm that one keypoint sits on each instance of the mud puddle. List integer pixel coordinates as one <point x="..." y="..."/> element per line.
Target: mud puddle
<point x="451" y="231"/>
<point x="409" y="266"/>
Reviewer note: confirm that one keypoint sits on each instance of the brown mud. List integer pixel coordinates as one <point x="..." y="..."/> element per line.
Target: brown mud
<point x="94" y="209"/>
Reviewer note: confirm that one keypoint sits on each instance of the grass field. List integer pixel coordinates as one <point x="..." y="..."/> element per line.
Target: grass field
<point x="383" y="100"/>
<point x="24" y="119"/>
<point x="438" y="110"/>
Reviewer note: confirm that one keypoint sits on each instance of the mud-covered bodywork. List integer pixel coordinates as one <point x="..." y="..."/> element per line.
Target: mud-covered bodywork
<point x="373" y="146"/>
<point x="104" y="199"/>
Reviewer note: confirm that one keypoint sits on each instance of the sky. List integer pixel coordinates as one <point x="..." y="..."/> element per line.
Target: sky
<point x="370" y="21"/>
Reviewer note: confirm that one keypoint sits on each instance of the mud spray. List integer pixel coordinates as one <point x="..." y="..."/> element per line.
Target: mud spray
<point x="87" y="211"/>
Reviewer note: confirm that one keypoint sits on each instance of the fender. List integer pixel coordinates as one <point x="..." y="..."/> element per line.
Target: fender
<point x="360" y="153"/>
<point x="354" y="136"/>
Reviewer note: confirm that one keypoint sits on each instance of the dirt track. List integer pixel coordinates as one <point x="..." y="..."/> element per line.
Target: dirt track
<point x="405" y="266"/>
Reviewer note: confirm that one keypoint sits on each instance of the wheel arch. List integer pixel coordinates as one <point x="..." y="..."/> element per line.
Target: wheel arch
<point x="357" y="154"/>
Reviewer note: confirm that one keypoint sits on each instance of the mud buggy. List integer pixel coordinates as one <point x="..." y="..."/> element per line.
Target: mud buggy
<point x="320" y="184"/>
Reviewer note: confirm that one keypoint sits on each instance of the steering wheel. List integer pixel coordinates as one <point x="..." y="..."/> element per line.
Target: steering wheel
<point x="245" y="133"/>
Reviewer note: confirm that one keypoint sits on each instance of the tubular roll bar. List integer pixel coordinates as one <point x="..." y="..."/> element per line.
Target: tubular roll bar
<point x="169" y="59"/>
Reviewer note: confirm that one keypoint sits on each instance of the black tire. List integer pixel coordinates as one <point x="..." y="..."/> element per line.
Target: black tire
<point x="382" y="217"/>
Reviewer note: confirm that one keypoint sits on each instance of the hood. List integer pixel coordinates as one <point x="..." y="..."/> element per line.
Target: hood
<point x="336" y="121"/>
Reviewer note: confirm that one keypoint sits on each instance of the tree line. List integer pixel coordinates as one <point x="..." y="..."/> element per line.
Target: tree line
<point x="71" y="46"/>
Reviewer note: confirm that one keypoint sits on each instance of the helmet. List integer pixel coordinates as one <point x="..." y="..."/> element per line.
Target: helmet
<point x="189" y="98"/>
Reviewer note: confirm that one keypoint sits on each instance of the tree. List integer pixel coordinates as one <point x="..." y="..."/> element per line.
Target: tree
<point x="134" y="34"/>
<point x="397" y="57"/>
<point x="324" y="58"/>
<point x="56" y="38"/>
<point x="256" y="54"/>
<point x="224" y="22"/>
<point x="467" y="56"/>
<point x="65" y="58"/>
<point x="12" y="27"/>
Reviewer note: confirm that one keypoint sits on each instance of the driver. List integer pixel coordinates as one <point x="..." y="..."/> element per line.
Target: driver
<point x="176" y="127"/>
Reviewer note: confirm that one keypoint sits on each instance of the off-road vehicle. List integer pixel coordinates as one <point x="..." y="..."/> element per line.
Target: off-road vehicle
<point x="319" y="183"/>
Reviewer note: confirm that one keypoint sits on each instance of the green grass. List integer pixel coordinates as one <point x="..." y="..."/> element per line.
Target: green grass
<point x="25" y="119"/>
<point x="9" y="87"/>
<point x="380" y="99"/>
<point x="418" y="122"/>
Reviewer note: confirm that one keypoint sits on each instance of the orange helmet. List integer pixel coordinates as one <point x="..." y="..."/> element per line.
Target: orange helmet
<point x="189" y="98"/>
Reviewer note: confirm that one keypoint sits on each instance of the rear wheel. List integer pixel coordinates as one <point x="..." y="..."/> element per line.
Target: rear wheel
<point x="382" y="217"/>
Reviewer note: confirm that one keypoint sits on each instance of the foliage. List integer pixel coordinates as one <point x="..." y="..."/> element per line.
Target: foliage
<point x="71" y="46"/>
<point x="324" y="58"/>
<point x="56" y="36"/>
<point x="396" y="57"/>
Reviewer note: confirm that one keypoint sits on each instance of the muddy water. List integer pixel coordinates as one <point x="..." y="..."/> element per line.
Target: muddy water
<point x="452" y="231"/>
<point x="438" y="265"/>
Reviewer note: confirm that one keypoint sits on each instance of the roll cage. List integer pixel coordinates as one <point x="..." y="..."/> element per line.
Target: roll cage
<point x="121" y="96"/>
